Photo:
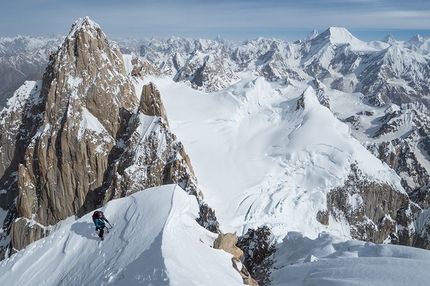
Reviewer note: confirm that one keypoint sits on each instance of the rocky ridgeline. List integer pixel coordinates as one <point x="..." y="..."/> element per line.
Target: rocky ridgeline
<point x="390" y="70"/>
<point x="81" y="137"/>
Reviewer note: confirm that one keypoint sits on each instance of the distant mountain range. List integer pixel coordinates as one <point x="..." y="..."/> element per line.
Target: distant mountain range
<point x="326" y="134"/>
<point x="335" y="57"/>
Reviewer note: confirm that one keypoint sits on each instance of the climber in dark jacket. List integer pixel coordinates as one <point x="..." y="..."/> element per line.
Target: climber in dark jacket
<point x="99" y="221"/>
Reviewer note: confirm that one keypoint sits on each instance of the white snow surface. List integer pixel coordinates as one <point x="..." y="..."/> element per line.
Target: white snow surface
<point x="155" y="240"/>
<point x="260" y="160"/>
<point x="325" y="261"/>
<point x="343" y="36"/>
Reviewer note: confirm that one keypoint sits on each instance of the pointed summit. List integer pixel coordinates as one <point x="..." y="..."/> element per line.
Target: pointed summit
<point x="88" y="71"/>
<point x="311" y="35"/>
<point x="338" y="36"/>
<point x="84" y="96"/>
<point x="415" y="40"/>
<point x="85" y="25"/>
<point x="389" y="39"/>
<point x="86" y="139"/>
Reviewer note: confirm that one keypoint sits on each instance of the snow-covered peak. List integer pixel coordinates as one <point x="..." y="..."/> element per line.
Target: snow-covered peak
<point x="389" y="39"/>
<point x="415" y="40"/>
<point x="338" y="35"/>
<point x="311" y="35"/>
<point x="335" y="36"/>
<point x="419" y="44"/>
<point x="85" y="25"/>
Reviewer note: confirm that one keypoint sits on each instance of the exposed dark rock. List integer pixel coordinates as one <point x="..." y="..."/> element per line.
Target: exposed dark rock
<point x="227" y="242"/>
<point x="375" y="211"/>
<point x="258" y="248"/>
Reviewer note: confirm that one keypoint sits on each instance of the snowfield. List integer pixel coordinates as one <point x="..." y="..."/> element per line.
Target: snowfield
<point x="155" y="241"/>
<point x="326" y="261"/>
<point x="260" y="161"/>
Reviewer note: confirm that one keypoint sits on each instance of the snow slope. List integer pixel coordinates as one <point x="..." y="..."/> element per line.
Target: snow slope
<point x="155" y="241"/>
<point x="260" y="161"/>
<point x="327" y="261"/>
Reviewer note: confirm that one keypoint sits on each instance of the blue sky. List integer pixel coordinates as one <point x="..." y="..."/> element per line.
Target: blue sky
<point x="233" y="20"/>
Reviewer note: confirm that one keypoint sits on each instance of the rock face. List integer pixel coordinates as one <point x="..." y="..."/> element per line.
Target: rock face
<point x="402" y="154"/>
<point x="82" y="137"/>
<point x="209" y="72"/>
<point x="258" y="246"/>
<point x="407" y="155"/>
<point x="227" y="242"/>
<point x="376" y="212"/>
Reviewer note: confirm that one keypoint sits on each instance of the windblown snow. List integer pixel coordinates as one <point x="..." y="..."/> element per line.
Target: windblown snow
<point x="155" y="240"/>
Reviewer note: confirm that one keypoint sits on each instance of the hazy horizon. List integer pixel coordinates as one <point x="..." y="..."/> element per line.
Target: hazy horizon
<point x="232" y="20"/>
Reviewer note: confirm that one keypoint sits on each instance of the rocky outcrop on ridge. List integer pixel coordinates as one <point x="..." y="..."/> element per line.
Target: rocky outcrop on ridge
<point x="82" y="137"/>
<point x="227" y="242"/>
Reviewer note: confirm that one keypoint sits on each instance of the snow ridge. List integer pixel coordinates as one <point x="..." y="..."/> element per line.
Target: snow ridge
<point x="154" y="230"/>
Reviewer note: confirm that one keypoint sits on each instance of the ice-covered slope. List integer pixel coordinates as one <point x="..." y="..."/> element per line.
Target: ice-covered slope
<point x="264" y="154"/>
<point x="155" y="241"/>
<point x="261" y="160"/>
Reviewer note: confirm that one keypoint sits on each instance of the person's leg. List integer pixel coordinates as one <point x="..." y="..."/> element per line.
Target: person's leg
<point x="101" y="232"/>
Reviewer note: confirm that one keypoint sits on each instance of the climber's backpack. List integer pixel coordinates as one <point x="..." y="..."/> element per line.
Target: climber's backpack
<point x="95" y="215"/>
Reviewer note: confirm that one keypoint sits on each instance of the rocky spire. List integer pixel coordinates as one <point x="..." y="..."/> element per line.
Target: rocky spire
<point x="85" y="96"/>
<point x="85" y="137"/>
<point x="150" y="102"/>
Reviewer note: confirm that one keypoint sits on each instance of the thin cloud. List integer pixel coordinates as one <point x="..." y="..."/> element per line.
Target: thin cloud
<point x="192" y="18"/>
